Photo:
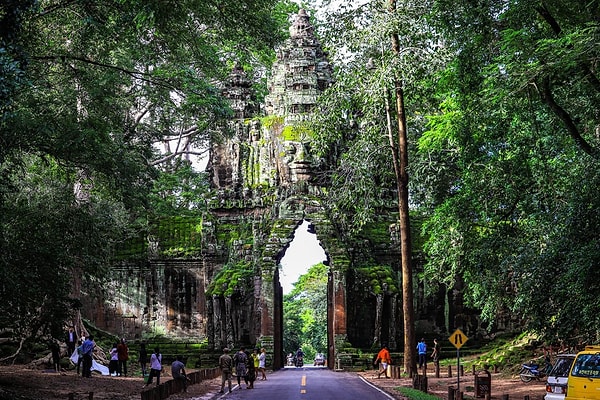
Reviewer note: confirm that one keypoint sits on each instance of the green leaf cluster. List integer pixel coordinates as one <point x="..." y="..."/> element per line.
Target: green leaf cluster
<point x="305" y="313"/>
<point x="232" y="279"/>
<point x="377" y="279"/>
<point x="501" y="101"/>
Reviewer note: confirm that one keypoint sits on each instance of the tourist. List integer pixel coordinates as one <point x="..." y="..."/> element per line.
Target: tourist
<point x="252" y="364"/>
<point x="71" y="341"/>
<point x="422" y="350"/>
<point x="87" y="351"/>
<point x="113" y="364"/>
<point x="143" y="358"/>
<point x="55" y="355"/>
<point x="123" y="351"/>
<point x="178" y="372"/>
<point x="240" y="359"/>
<point x="435" y="355"/>
<point x="225" y="363"/>
<point x="384" y="359"/>
<point x="262" y="363"/>
<point x="155" y="367"/>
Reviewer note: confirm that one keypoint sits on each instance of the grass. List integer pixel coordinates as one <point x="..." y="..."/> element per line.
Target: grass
<point x="414" y="394"/>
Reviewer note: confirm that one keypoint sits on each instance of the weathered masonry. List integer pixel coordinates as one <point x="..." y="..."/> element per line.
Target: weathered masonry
<point x="215" y="277"/>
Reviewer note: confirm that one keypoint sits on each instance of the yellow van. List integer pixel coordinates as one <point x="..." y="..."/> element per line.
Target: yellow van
<point x="584" y="378"/>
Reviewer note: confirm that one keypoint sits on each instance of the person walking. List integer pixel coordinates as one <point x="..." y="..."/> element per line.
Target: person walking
<point x="143" y="358"/>
<point x="384" y="359"/>
<point x="262" y="363"/>
<point x="422" y="350"/>
<point x="226" y="364"/>
<point x="155" y="367"/>
<point x="123" y="351"/>
<point x="178" y="372"/>
<point x="240" y="360"/>
<point x="87" y="351"/>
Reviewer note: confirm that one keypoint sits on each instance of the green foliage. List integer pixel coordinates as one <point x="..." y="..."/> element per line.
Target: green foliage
<point x="47" y="240"/>
<point x="271" y="121"/>
<point x="233" y="278"/>
<point x="377" y="279"/>
<point x="305" y="313"/>
<point x="180" y="192"/>
<point x="503" y="147"/>
<point x="296" y="133"/>
<point x="519" y="183"/>
<point x="88" y="92"/>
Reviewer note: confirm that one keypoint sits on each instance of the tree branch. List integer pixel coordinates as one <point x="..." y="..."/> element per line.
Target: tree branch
<point x="143" y="76"/>
<point x="588" y="72"/>
<point x="177" y="154"/>
<point x="548" y="98"/>
<point x="16" y="353"/>
<point x="55" y="7"/>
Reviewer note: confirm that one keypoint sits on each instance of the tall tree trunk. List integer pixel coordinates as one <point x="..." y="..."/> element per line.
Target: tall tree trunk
<point x="400" y="159"/>
<point x="378" y="319"/>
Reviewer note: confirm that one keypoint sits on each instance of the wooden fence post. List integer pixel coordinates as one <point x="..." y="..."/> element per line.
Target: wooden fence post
<point x="451" y="392"/>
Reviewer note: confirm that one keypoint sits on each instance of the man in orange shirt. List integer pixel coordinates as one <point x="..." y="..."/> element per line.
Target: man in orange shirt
<point x="383" y="357"/>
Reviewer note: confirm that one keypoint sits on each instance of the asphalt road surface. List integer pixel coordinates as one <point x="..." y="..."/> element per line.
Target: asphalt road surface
<point x="306" y="383"/>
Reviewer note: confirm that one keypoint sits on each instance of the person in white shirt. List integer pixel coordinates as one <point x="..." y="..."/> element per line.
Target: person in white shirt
<point x="262" y="363"/>
<point x="113" y="365"/>
<point x="155" y="367"/>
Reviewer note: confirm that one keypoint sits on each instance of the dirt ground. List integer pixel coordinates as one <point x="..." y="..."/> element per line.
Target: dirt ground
<point x="501" y="385"/>
<point x="22" y="383"/>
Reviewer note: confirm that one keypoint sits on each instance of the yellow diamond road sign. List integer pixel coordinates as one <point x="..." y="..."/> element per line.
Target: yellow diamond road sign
<point x="458" y="338"/>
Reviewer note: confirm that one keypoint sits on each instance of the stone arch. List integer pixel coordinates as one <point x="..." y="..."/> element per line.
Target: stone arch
<point x="292" y="211"/>
<point x="279" y="330"/>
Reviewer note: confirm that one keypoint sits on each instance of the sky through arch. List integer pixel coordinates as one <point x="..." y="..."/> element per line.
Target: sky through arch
<point x="304" y="252"/>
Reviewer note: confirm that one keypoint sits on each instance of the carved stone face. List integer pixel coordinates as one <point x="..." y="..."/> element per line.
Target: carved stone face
<point x="299" y="160"/>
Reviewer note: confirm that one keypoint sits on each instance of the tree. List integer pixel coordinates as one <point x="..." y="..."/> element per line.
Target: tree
<point x="519" y="124"/>
<point x="305" y="312"/>
<point x="393" y="48"/>
<point x="90" y="90"/>
<point x="44" y="238"/>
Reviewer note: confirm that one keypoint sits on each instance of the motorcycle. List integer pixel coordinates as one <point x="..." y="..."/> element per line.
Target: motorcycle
<point x="532" y="371"/>
<point x="299" y="361"/>
<point x="291" y="360"/>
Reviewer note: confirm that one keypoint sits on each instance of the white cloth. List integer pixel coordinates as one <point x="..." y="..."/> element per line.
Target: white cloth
<point x="74" y="357"/>
<point x="95" y="366"/>
<point x="262" y="358"/>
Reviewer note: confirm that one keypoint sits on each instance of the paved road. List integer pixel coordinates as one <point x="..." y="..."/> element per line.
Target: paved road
<point x="308" y="383"/>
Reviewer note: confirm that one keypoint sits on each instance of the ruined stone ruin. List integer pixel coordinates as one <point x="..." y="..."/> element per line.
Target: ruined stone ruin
<point x="215" y="277"/>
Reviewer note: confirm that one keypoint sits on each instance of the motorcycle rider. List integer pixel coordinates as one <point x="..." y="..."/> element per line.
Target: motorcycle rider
<point x="299" y="357"/>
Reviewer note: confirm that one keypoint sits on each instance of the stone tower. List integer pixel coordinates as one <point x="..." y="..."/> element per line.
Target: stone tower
<point x="300" y="73"/>
<point x="266" y="169"/>
<point x="274" y="151"/>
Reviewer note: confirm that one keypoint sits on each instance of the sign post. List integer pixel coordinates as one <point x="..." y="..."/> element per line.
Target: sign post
<point x="458" y="338"/>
